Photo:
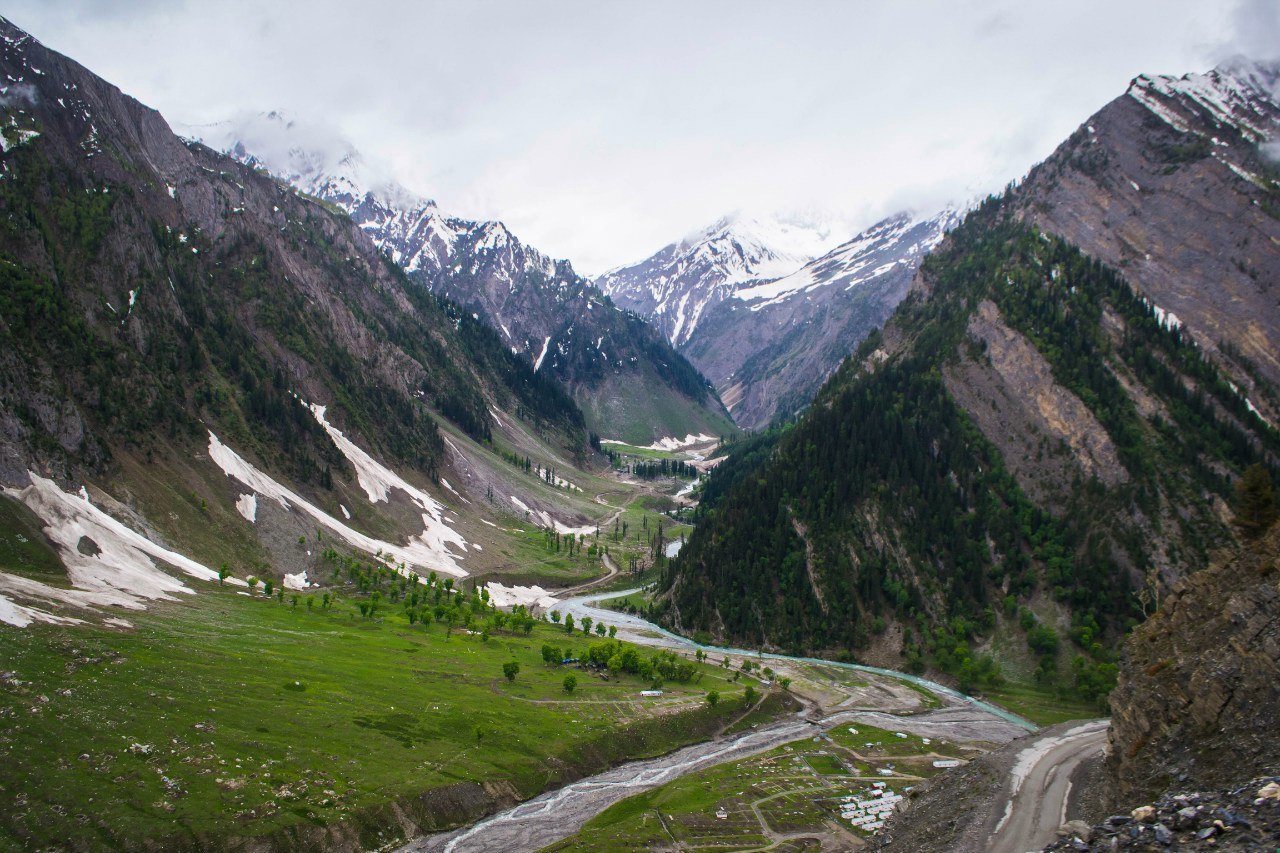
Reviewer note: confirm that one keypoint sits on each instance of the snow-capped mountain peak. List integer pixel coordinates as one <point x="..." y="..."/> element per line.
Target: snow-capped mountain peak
<point x="751" y="247"/>
<point x="677" y="284"/>
<point x="899" y="241"/>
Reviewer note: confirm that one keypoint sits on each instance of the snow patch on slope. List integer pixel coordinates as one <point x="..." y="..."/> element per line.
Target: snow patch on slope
<point x="108" y="564"/>
<point x="538" y="361"/>
<point x="546" y="520"/>
<point x="669" y="443"/>
<point x="247" y="505"/>
<point x="507" y="597"/>
<point x="421" y="552"/>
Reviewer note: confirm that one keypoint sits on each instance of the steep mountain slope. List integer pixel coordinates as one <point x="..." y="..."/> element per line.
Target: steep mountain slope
<point x="217" y="363"/>
<point x="1027" y="443"/>
<point x="1174" y="183"/>
<point x="767" y="326"/>
<point x="1100" y="405"/>
<point x="542" y="309"/>
<point x="675" y="286"/>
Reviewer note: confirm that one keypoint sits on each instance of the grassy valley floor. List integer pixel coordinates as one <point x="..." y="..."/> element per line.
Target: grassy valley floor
<point x="222" y="717"/>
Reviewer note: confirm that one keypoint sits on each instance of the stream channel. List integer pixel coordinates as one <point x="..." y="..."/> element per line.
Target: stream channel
<point x="557" y="814"/>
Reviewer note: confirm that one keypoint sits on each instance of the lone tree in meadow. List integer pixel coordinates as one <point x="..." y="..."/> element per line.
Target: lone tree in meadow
<point x="713" y="698"/>
<point x="570" y="682"/>
<point x="511" y="670"/>
<point x="1255" y="509"/>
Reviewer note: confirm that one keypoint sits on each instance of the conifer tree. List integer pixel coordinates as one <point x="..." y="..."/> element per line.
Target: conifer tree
<point x="1255" y="509"/>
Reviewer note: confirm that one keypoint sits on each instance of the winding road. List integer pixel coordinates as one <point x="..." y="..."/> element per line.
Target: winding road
<point x="1033" y="803"/>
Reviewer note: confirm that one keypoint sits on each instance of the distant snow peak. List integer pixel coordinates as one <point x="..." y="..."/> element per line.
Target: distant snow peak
<point x="408" y="228"/>
<point x="675" y="287"/>
<point x="900" y="240"/>
<point x="309" y="156"/>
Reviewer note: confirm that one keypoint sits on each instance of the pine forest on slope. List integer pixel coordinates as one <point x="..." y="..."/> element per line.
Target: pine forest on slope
<point x="1030" y="449"/>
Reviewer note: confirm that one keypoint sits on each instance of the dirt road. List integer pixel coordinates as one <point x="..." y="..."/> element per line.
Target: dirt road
<point x="1033" y="803"/>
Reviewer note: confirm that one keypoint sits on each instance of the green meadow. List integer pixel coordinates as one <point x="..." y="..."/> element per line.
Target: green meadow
<point x="222" y="716"/>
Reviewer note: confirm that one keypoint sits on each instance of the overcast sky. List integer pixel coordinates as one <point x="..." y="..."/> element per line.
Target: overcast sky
<point x="600" y="131"/>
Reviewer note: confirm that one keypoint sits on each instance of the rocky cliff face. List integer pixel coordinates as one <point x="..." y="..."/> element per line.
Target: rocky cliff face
<point x="1198" y="698"/>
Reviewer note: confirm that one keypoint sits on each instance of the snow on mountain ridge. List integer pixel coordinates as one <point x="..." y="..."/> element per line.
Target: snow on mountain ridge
<point x="310" y="157"/>
<point x="676" y="285"/>
<point x="1241" y="93"/>
<point x="844" y="266"/>
<point x="410" y="228"/>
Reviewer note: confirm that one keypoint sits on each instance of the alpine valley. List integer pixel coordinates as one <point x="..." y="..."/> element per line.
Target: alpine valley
<point x="333" y="521"/>
<point x="630" y="384"/>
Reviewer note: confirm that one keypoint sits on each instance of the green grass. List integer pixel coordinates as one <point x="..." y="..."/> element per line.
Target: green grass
<point x="24" y="550"/>
<point x="1042" y="707"/>
<point x="219" y="715"/>
<point x="638" y="600"/>
<point x="539" y="564"/>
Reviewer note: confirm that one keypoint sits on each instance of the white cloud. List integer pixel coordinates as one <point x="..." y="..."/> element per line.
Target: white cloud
<point x="601" y="131"/>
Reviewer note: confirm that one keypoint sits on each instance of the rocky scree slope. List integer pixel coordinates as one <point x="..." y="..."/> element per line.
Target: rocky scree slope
<point x="1245" y="818"/>
<point x="629" y="381"/>
<point x="1027" y="445"/>
<point x="152" y="292"/>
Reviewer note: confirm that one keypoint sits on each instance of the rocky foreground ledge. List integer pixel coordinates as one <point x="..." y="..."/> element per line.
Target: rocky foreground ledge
<point x="1246" y="818"/>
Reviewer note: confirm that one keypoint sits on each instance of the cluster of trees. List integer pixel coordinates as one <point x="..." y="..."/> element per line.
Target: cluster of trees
<point x="618" y="658"/>
<point x="656" y="468"/>
<point x="424" y="600"/>
<point x="572" y="545"/>
<point x="600" y="628"/>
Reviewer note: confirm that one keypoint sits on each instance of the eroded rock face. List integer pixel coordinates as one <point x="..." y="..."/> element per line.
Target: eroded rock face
<point x="1198" y="700"/>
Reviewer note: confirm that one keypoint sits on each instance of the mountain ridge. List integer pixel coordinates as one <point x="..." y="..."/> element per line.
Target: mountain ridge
<point x="765" y="341"/>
